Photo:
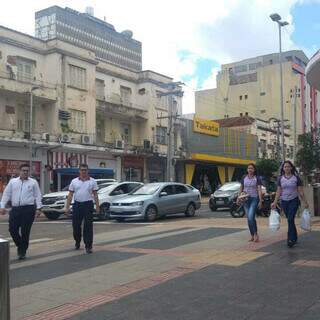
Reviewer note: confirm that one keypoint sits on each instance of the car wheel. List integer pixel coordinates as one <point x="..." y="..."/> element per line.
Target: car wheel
<point x="104" y="211"/>
<point x="237" y="211"/>
<point x="52" y="215"/>
<point x="212" y="206"/>
<point x="120" y="219"/>
<point x="191" y="210"/>
<point x="151" y="214"/>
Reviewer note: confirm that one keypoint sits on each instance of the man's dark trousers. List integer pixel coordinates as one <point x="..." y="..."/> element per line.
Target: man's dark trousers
<point x="20" y="223"/>
<point x="83" y="211"/>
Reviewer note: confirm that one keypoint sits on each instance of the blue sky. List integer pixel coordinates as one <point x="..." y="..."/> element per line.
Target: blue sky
<point x="306" y="18"/>
<point x="190" y="42"/>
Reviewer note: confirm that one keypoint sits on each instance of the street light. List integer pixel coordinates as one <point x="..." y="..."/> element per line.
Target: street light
<point x="30" y="125"/>
<point x="277" y="18"/>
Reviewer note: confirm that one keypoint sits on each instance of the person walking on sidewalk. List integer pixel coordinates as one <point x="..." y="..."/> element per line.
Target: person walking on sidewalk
<point x="289" y="189"/>
<point x="84" y="191"/>
<point x="25" y="197"/>
<point x="251" y="194"/>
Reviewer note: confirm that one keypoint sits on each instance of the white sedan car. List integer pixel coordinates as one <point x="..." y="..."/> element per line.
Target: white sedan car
<point x="54" y="202"/>
<point x="114" y="192"/>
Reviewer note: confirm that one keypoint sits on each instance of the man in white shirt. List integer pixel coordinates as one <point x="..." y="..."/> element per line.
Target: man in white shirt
<point x="25" y="197"/>
<point x="84" y="191"/>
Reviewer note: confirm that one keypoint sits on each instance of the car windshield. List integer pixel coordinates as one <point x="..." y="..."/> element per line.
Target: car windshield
<point x="146" y="189"/>
<point x="230" y="187"/>
<point x="105" y="185"/>
<point x="106" y="188"/>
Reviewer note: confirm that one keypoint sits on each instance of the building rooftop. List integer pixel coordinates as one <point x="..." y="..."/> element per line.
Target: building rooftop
<point x="236" y="121"/>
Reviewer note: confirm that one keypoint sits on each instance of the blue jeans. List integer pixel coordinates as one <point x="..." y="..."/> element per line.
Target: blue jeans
<point x="290" y="209"/>
<point x="250" y="207"/>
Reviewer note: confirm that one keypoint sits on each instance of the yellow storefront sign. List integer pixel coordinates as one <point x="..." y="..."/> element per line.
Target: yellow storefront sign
<point x="208" y="127"/>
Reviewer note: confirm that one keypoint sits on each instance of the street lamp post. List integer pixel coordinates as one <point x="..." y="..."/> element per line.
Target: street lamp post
<point x="277" y="18"/>
<point x="30" y="127"/>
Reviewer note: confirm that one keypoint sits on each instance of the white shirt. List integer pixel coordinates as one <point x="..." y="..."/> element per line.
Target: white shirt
<point x="83" y="189"/>
<point x="22" y="193"/>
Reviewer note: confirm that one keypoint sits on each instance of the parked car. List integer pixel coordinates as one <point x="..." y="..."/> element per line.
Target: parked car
<point x="224" y="197"/>
<point x="155" y="200"/>
<point x="54" y="202"/>
<point x="112" y="192"/>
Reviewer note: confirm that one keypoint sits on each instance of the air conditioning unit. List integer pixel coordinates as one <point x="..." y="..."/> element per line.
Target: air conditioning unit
<point x="119" y="144"/>
<point x="155" y="148"/>
<point x="65" y="138"/>
<point x="86" y="139"/>
<point x="18" y="135"/>
<point x="46" y="136"/>
<point x="146" y="144"/>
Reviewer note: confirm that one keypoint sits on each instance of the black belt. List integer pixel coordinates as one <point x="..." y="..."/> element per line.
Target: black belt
<point x="24" y="206"/>
<point x="83" y="202"/>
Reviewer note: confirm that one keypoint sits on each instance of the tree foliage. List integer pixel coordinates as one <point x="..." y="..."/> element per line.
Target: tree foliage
<point x="308" y="155"/>
<point x="267" y="167"/>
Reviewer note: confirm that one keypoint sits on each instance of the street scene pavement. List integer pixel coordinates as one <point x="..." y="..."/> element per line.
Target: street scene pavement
<point x="175" y="268"/>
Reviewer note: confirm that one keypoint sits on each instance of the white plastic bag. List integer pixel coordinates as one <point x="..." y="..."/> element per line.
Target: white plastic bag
<point x="305" y="223"/>
<point x="274" y="220"/>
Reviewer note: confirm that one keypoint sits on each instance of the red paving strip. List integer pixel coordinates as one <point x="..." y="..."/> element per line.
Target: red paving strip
<point x="70" y="309"/>
<point x="307" y="263"/>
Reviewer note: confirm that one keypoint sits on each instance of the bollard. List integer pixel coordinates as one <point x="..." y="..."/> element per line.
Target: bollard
<point x="4" y="280"/>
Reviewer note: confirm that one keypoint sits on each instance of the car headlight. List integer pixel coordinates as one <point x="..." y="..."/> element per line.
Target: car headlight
<point x="138" y="203"/>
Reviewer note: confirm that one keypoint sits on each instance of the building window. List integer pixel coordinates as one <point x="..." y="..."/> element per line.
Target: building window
<point x="162" y="101"/>
<point x="161" y="135"/>
<point x="25" y="70"/>
<point x="126" y="133"/>
<point x="100" y="89"/>
<point x="125" y="93"/>
<point x="78" y="121"/>
<point x="246" y="96"/>
<point x="270" y="61"/>
<point x="241" y="68"/>
<point x="77" y="77"/>
<point x="240" y="97"/>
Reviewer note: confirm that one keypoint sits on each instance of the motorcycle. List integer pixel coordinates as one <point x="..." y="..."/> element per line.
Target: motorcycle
<point x="237" y="210"/>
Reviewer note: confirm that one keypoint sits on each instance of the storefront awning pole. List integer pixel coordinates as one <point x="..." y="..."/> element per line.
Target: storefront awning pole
<point x="4" y="280"/>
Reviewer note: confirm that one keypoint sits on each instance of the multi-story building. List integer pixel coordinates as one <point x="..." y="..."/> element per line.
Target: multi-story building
<point x="252" y="86"/>
<point x="85" y="109"/>
<point x="85" y="31"/>
<point x="267" y="133"/>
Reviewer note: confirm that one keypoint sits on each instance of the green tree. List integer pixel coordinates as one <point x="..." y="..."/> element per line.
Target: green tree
<point x="308" y="155"/>
<point x="267" y="168"/>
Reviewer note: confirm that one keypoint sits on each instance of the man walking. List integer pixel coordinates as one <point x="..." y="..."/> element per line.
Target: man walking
<point x="25" y="196"/>
<point x="84" y="191"/>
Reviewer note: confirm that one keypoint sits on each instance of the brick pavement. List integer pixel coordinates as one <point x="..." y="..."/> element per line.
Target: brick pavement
<point x="156" y="259"/>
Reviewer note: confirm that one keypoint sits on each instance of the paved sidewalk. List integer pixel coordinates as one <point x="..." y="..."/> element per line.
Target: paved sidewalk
<point x="185" y="269"/>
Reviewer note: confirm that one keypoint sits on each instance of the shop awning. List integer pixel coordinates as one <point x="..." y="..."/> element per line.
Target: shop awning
<point x="219" y="159"/>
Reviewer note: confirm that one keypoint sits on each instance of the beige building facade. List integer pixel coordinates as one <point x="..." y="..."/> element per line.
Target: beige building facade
<point x="252" y="87"/>
<point x="84" y="110"/>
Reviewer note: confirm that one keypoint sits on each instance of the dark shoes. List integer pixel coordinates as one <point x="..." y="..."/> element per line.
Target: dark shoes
<point x="88" y="250"/>
<point x="291" y="243"/>
<point x="77" y="246"/>
<point x="21" y="254"/>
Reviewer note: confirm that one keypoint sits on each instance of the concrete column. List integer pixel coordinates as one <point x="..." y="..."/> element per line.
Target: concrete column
<point x="4" y="280"/>
<point x="118" y="169"/>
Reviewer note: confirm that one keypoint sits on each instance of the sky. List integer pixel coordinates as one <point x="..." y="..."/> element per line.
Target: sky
<point x="190" y="41"/>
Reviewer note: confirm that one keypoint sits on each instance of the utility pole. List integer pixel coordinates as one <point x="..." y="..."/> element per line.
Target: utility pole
<point x="279" y="154"/>
<point x="294" y="96"/>
<point x="31" y="128"/>
<point x="172" y="116"/>
<point x="277" y="18"/>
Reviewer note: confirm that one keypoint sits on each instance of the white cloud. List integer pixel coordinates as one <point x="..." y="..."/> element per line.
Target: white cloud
<point x="227" y="31"/>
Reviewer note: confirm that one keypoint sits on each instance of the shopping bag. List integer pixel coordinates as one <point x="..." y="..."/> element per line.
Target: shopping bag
<point x="305" y="223"/>
<point x="274" y="220"/>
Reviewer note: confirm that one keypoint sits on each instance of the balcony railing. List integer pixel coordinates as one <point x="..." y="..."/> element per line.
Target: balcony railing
<point x="115" y="105"/>
<point x="26" y="78"/>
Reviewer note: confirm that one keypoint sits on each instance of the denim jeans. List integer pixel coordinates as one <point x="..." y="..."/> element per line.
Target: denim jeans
<point x="290" y="209"/>
<point x="250" y="207"/>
